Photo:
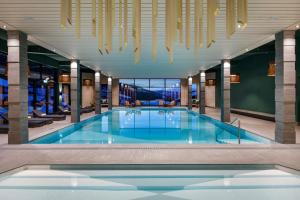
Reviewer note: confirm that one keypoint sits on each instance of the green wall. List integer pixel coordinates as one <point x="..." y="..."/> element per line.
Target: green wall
<point x="298" y="76"/>
<point x="256" y="91"/>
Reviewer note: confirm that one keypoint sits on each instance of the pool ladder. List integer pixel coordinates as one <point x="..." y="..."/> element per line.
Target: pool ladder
<point x="239" y="128"/>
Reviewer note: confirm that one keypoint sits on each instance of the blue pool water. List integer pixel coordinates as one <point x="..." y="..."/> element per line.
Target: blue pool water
<point x="150" y="125"/>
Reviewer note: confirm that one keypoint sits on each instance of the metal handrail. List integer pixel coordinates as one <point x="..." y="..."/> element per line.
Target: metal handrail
<point x="239" y="128"/>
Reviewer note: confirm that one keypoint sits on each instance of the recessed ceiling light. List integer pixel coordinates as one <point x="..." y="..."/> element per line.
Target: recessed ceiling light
<point x="297" y="26"/>
<point x="4" y="26"/>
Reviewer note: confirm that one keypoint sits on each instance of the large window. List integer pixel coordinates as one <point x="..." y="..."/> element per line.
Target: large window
<point x="149" y="91"/>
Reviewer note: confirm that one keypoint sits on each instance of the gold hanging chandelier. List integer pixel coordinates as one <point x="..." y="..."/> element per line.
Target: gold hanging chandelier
<point x="154" y="29"/>
<point x="187" y="24"/>
<point x="125" y="23"/>
<point x="211" y="22"/>
<point x="100" y="26"/>
<point x="120" y="26"/>
<point x="77" y="20"/>
<point x="108" y="26"/>
<point x="198" y="25"/>
<point x="230" y="18"/>
<point x="242" y="13"/>
<point x="136" y="30"/>
<point x="94" y="21"/>
<point x="177" y="29"/>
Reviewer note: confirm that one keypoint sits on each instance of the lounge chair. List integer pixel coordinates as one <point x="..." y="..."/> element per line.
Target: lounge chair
<point x="32" y="122"/>
<point x="127" y="104"/>
<point x="87" y="110"/>
<point x="161" y="103"/>
<point x="4" y="128"/>
<point x="64" y="111"/>
<point x="171" y="104"/>
<point x="138" y="103"/>
<point x="39" y="114"/>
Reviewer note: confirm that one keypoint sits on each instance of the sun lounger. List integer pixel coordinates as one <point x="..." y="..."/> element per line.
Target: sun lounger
<point x="39" y="114"/>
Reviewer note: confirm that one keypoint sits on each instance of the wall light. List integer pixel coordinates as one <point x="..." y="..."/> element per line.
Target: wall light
<point x="272" y="69"/>
<point x="190" y="80"/>
<point x="235" y="78"/>
<point x="109" y="80"/>
<point x="74" y="64"/>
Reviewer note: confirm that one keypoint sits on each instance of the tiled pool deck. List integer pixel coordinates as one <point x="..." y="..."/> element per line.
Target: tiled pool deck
<point x="13" y="156"/>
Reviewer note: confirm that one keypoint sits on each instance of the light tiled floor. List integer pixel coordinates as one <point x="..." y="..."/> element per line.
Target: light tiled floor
<point x="12" y="156"/>
<point x="258" y="126"/>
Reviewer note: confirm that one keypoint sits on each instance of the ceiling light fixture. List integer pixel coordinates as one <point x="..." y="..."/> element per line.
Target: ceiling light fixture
<point x="230" y="18"/>
<point x="154" y="29"/>
<point x="173" y="24"/>
<point x="4" y="26"/>
<point x="297" y="26"/>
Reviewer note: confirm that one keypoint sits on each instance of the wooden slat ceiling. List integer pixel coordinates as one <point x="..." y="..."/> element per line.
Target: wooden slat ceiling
<point x="40" y="19"/>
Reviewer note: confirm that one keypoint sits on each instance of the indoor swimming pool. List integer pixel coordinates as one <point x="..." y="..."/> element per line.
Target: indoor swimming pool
<point x="151" y="126"/>
<point x="113" y="182"/>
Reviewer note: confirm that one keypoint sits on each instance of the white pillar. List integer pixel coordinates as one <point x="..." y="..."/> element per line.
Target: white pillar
<point x="109" y="92"/>
<point x="190" y="83"/>
<point x="98" y="92"/>
<point x="202" y="93"/>
<point x="285" y="92"/>
<point x="225" y="91"/>
<point x="75" y="91"/>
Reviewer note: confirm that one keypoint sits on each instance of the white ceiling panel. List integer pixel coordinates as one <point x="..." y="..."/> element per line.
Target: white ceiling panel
<point x="40" y="19"/>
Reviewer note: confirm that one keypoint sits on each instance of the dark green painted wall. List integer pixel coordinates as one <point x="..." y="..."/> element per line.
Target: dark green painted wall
<point x="256" y="92"/>
<point x="298" y="76"/>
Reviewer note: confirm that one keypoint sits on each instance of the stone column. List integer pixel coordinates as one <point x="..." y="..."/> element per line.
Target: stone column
<point x="75" y="91"/>
<point x="285" y="92"/>
<point x="202" y="93"/>
<point x="190" y="83"/>
<point x="98" y="92"/>
<point x="109" y="93"/>
<point x="115" y="92"/>
<point x="17" y="87"/>
<point x="225" y="91"/>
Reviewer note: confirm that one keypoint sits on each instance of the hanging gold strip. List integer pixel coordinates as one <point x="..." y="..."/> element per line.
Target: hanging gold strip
<point x="77" y="20"/>
<point x="134" y="19"/>
<point x="187" y="24"/>
<point x="63" y="14"/>
<point x="154" y="29"/>
<point x="201" y="15"/>
<point x="211" y="22"/>
<point x="125" y="23"/>
<point x="120" y="26"/>
<point x="230" y="18"/>
<point x="180" y="21"/>
<point x="69" y="11"/>
<point x="100" y="26"/>
<point x="137" y="30"/>
<point x="166" y="23"/>
<point x="108" y="26"/>
<point x="113" y="13"/>
<point x="242" y="13"/>
<point x="94" y="18"/>
<point x="196" y="25"/>
<point x="217" y="8"/>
